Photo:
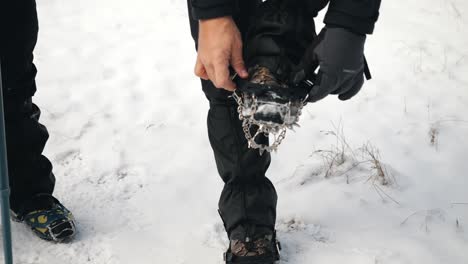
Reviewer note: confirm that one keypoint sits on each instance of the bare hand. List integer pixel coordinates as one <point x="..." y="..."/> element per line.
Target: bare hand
<point x="219" y="46"/>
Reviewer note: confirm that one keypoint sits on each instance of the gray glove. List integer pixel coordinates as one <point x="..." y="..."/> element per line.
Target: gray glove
<point x="340" y="55"/>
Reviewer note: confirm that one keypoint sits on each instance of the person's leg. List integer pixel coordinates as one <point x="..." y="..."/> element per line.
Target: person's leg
<point x="31" y="179"/>
<point x="248" y="200"/>
<point x="30" y="172"/>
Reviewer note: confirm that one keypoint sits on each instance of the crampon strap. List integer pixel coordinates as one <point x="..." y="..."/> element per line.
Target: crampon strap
<point x="275" y="93"/>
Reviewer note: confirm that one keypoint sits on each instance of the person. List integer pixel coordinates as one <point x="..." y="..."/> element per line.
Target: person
<point x="263" y="42"/>
<point x="31" y="179"/>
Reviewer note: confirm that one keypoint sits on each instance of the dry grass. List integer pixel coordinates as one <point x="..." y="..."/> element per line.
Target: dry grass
<point x="341" y="159"/>
<point x="434" y="136"/>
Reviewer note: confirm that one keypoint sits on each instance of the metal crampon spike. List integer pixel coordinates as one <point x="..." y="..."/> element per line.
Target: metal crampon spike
<point x="261" y="151"/>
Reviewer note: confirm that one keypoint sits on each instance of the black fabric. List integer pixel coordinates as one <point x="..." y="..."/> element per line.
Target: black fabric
<point x="314" y="6"/>
<point x="205" y="9"/>
<point x="18" y="36"/>
<point x="30" y="172"/>
<point x="278" y="36"/>
<point x="356" y="15"/>
<point x="243" y="18"/>
<point x="248" y="197"/>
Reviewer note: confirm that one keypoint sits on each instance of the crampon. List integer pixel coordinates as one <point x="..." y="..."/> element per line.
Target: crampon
<point x="268" y="107"/>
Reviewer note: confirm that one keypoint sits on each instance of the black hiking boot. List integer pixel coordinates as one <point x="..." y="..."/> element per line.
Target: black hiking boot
<point x="263" y="76"/>
<point x="261" y="249"/>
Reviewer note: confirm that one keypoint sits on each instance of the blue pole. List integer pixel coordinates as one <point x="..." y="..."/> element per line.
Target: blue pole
<point x="4" y="185"/>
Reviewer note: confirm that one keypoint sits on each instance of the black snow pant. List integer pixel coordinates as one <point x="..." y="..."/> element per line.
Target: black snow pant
<point x="248" y="197"/>
<point x="30" y="172"/>
<point x="275" y="34"/>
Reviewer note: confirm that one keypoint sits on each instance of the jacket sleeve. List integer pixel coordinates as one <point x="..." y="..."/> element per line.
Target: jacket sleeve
<point x="356" y="15"/>
<point x="205" y="9"/>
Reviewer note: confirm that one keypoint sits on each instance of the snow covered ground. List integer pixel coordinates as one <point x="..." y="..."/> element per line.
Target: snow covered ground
<point x="128" y="140"/>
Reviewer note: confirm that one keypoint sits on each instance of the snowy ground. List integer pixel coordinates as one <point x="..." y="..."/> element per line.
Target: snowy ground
<point x="128" y="139"/>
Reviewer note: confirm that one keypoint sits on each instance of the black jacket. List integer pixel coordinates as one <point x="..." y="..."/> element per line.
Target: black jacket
<point x="357" y="15"/>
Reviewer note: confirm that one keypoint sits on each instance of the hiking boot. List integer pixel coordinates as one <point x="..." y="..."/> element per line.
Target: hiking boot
<point x="262" y="249"/>
<point x="47" y="218"/>
<point x="258" y="247"/>
<point x="263" y="76"/>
